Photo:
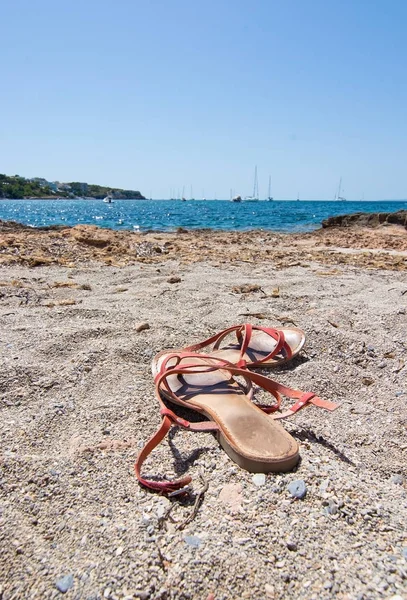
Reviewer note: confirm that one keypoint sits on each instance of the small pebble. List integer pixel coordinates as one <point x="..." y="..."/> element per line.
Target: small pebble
<point x="259" y="479"/>
<point x="397" y="479"/>
<point x="332" y="508"/>
<point x="174" y="280"/>
<point x="269" y="591"/>
<point x="398" y="394"/>
<point x="193" y="541"/>
<point x="141" y="595"/>
<point x="64" y="584"/>
<point x="297" y="489"/>
<point x="292" y="546"/>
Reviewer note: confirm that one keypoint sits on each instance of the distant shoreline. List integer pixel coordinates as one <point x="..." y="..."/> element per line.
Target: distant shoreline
<point x="66" y="199"/>
<point x="345" y="202"/>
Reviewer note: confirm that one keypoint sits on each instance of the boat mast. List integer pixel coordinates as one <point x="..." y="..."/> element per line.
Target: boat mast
<point x="340" y="191"/>
<point x="255" y="184"/>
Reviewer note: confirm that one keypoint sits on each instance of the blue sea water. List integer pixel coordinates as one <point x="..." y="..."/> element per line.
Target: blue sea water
<point x="168" y="215"/>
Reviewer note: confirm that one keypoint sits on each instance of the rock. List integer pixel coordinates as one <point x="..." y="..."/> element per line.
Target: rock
<point x="297" y="489"/>
<point x="64" y="584"/>
<point x="292" y="546"/>
<point x="146" y="519"/>
<point x="404" y="552"/>
<point x="367" y="381"/>
<point x="323" y="488"/>
<point x="259" y="479"/>
<point x="231" y="496"/>
<point x="142" y="326"/>
<point x="193" y="540"/>
<point x="246" y="288"/>
<point x="174" y="279"/>
<point x="367" y="219"/>
<point x="269" y="591"/>
<point x="142" y="595"/>
<point x="332" y="508"/>
<point x="161" y="510"/>
<point x="397" y="479"/>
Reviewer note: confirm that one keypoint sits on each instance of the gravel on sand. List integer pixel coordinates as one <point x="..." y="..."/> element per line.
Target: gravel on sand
<point x="77" y="404"/>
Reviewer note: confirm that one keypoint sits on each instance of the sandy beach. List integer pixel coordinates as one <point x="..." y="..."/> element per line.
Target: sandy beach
<point x="77" y="404"/>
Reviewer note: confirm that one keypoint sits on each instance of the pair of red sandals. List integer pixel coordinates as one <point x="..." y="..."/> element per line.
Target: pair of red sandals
<point x="206" y="383"/>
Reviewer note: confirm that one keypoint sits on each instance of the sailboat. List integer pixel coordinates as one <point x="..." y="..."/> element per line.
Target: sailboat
<point x="255" y="196"/>
<point x="338" y="195"/>
<point x="108" y="199"/>
<point x="270" y="197"/>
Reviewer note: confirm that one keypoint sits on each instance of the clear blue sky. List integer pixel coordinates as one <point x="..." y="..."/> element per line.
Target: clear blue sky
<point x="161" y="94"/>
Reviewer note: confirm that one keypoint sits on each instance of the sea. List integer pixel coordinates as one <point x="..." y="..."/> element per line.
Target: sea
<point x="169" y="215"/>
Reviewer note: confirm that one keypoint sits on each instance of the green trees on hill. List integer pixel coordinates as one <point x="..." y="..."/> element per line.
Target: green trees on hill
<point x="89" y="190"/>
<point x="19" y="187"/>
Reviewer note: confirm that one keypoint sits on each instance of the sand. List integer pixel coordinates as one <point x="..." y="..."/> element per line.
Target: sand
<point x="77" y="403"/>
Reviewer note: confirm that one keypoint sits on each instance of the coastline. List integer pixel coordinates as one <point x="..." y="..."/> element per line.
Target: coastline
<point x="383" y="246"/>
<point x="78" y="403"/>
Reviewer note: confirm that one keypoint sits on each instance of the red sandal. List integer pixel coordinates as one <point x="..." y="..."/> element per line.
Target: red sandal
<point x="255" y="346"/>
<point x="249" y="434"/>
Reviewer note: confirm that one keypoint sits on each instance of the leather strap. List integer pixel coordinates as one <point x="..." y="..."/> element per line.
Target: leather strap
<point x="169" y="419"/>
<point x="244" y="334"/>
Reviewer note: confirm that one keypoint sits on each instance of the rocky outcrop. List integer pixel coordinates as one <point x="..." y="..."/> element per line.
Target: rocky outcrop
<point x="367" y="219"/>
